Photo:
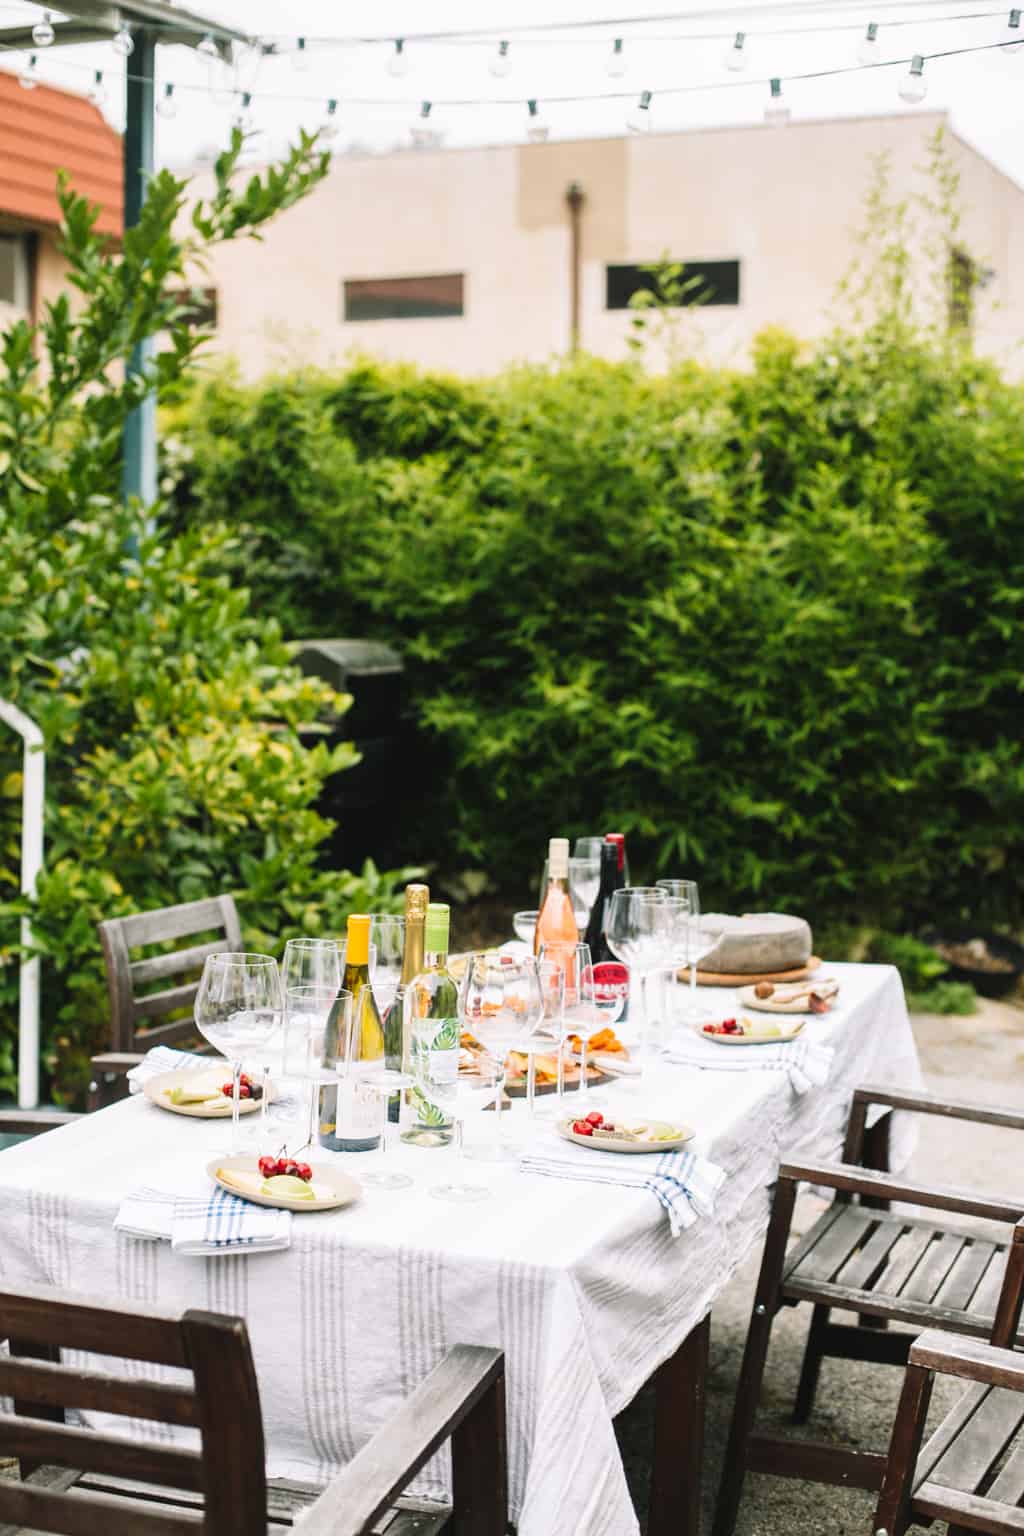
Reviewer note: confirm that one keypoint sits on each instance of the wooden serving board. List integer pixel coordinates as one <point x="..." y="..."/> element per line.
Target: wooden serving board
<point x="724" y="979"/>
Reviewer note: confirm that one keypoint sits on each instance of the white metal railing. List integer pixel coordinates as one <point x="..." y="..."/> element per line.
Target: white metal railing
<point x="33" y="792"/>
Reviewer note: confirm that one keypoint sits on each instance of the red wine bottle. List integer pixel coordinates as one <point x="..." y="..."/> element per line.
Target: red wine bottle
<point x="618" y="839"/>
<point x="599" y="951"/>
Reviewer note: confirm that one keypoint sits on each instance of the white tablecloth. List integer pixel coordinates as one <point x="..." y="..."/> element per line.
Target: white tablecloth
<point x="581" y="1285"/>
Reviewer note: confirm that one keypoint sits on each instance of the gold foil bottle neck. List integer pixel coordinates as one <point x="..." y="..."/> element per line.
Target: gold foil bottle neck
<point x="417" y="899"/>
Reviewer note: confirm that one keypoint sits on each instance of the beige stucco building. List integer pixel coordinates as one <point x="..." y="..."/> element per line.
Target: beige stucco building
<point x="463" y="259"/>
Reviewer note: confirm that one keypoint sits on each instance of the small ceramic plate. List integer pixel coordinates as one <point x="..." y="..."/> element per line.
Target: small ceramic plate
<point x="789" y="1032"/>
<point x="158" y="1090"/>
<point x="749" y="999"/>
<point x="332" y="1187"/>
<point x="684" y="1133"/>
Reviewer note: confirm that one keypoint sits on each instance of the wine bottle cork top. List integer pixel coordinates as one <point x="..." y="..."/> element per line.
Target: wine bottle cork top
<point x="558" y="858"/>
<point x="435" y="932"/>
<point x="357" y="951"/>
<point x="417" y="900"/>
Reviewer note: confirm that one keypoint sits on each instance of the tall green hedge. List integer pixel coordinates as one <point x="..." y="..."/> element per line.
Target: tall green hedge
<point x="767" y="623"/>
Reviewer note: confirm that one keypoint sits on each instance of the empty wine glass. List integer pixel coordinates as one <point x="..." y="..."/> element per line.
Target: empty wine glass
<point x="311" y="963"/>
<point x="580" y="1014"/>
<point x="384" y="1175"/>
<point x="387" y="936"/>
<point x="584" y="884"/>
<point x="500" y="1005"/>
<point x="306" y="1012"/>
<point x="476" y="1088"/>
<point x="550" y="1029"/>
<point x="238" y="1007"/>
<point x="700" y="941"/>
<point x="637" y="930"/>
<point x="524" y="925"/>
<point x="588" y="848"/>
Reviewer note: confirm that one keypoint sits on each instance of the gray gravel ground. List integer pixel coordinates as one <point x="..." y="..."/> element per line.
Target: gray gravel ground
<point x="980" y="1058"/>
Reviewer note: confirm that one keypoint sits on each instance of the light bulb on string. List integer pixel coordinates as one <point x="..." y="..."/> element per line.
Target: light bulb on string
<point x="98" y="91"/>
<point x="329" y="126"/>
<point x="398" y="64"/>
<point x="122" y="42"/>
<point x="537" y="129"/>
<point x="869" y="50"/>
<point x="300" y="58"/>
<point x="43" y="33"/>
<point x="243" y="119"/>
<point x="776" y="110"/>
<point x="616" y="66"/>
<point x="424" y="130"/>
<point x="914" y="87"/>
<point x="208" y="48"/>
<point x="29" y="77"/>
<point x="639" y="120"/>
<point x="167" y="106"/>
<point x="1014" y="33"/>
<point x="500" y="63"/>
<point x="736" y="55"/>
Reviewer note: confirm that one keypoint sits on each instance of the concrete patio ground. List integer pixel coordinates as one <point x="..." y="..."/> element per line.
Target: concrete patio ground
<point x="979" y="1058"/>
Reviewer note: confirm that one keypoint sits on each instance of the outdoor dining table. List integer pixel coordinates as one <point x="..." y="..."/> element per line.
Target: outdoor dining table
<point x="582" y="1285"/>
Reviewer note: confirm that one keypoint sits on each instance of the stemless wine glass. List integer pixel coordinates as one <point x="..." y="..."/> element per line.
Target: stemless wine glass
<point x="476" y="1088"/>
<point x="237" y="1009"/>
<point x="500" y="1005"/>
<point x="387" y="935"/>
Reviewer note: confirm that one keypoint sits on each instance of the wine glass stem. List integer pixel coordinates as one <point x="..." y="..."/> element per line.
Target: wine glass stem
<point x="531" y="1083"/>
<point x="560" y="1072"/>
<point x="583" y="1062"/>
<point x="693" y="989"/>
<point x="236" y="1083"/>
<point x="264" y="1082"/>
<point x="499" y="1086"/>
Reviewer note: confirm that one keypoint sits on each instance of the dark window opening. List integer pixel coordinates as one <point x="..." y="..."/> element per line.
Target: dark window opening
<point x="705" y="282"/>
<point x="403" y="298"/>
<point x="201" y="304"/>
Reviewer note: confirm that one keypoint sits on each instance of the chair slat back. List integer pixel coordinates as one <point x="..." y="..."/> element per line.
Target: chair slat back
<point x="129" y="1005"/>
<point x="222" y="1401"/>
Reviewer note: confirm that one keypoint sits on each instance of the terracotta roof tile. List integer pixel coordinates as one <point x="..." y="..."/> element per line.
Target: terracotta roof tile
<point x="45" y="130"/>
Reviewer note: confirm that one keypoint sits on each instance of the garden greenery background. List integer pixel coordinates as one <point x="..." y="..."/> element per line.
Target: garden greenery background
<point x="768" y="623"/>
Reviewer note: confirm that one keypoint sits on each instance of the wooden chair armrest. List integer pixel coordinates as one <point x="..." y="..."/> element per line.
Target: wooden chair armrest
<point x="954" y="1355"/>
<point x="32" y="1122"/>
<point x="376" y="1476"/>
<point x="116" y="1061"/>
<point x="931" y="1104"/>
<point x="855" y="1180"/>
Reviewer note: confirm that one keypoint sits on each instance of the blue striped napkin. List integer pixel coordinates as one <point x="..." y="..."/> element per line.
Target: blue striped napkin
<point x="807" y="1063"/>
<point x="163" y="1058"/>
<point x="685" y="1184"/>
<point x="205" y="1225"/>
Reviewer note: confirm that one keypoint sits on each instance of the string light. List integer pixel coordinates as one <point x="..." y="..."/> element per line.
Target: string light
<point x="500" y="64"/>
<point x="776" y="110"/>
<point x="537" y="129"/>
<point x="167" y="106"/>
<point x="736" y="55"/>
<point x="869" y="51"/>
<point x="423" y="132"/>
<point x="243" y="118"/>
<point x="329" y="126"/>
<point x="43" y="33"/>
<point x="914" y="87"/>
<point x="29" y="77"/>
<point x="98" y="93"/>
<point x="208" y="48"/>
<point x="300" y="58"/>
<point x="639" y="120"/>
<point x="398" y="64"/>
<point x="616" y="65"/>
<point x="122" y="42"/>
<point x="1014" y="33"/>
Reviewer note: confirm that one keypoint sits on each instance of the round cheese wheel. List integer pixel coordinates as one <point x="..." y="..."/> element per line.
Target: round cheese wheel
<point x="756" y="942"/>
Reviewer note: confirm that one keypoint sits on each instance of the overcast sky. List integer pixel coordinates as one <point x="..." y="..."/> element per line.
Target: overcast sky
<point x="983" y="91"/>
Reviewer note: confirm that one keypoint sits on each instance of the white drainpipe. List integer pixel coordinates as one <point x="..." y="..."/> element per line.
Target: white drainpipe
<point x="32" y="797"/>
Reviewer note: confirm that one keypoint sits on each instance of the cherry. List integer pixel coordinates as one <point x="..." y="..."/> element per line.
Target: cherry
<point x="595" y="1117"/>
<point x="582" y="1128"/>
<point x="227" y="1090"/>
<point x="709" y="1029"/>
<point x="268" y="1166"/>
<point x="303" y="1171"/>
<point x="245" y="1092"/>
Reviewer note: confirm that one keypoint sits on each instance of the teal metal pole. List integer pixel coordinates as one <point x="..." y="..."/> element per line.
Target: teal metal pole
<point x="138" y="475"/>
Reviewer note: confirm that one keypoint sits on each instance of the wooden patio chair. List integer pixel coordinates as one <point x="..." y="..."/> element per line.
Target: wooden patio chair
<point x="133" y="1007"/>
<point x="971" y="1472"/>
<point x="83" y="1482"/>
<point x="862" y="1257"/>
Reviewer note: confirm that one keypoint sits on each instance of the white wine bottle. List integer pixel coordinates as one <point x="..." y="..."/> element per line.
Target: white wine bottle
<point x="350" y="1113"/>
<point x="397" y="1041"/>
<point x="432" y="1012"/>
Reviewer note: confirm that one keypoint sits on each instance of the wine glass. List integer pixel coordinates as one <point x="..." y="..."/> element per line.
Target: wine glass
<point x="385" y="1175"/>
<point x="700" y="941"/>
<point x="524" y="926"/>
<point x="588" y="848"/>
<point x="579" y="1013"/>
<point x="311" y="963"/>
<point x="476" y="1087"/>
<point x="636" y="929"/>
<point x="306" y="1012"/>
<point x="550" y="1030"/>
<point x="500" y="1005"/>
<point x="584" y="884"/>
<point x="387" y="936"/>
<point x="238" y="1007"/>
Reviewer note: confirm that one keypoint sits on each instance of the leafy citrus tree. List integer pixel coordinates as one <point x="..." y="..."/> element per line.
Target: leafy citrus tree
<point x="182" y="745"/>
